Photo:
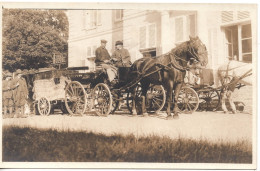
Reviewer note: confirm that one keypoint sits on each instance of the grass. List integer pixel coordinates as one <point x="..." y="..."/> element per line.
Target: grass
<point x="28" y="144"/>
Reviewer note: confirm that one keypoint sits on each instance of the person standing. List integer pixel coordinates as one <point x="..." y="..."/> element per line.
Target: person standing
<point x="103" y="59"/>
<point x="20" y="93"/>
<point x="121" y="56"/>
<point x="7" y="94"/>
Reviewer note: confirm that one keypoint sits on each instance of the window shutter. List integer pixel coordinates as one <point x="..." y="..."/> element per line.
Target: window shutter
<point x="178" y="29"/>
<point x="89" y="51"/>
<point x="99" y="17"/>
<point x="93" y="18"/>
<point x="152" y="35"/>
<point x="243" y="15"/>
<point x="227" y="16"/>
<point x="94" y="50"/>
<point x="191" y="25"/>
<point x="86" y="19"/>
<point x="142" y="37"/>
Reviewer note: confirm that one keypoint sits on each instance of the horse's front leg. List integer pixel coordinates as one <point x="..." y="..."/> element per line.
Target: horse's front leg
<point x="169" y="89"/>
<point x="231" y="102"/>
<point x="176" y="95"/>
<point x="145" y="88"/>
<point x="223" y="96"/>
<point x="133" y="102"/>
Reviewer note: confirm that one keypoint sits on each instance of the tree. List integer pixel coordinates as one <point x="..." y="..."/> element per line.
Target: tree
<point x="31" y="37"/>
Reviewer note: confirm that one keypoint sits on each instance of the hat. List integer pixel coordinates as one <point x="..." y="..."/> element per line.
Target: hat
<point x="103" y="41"/>
<point x="18" y="72"/>
<point x="119" y="43"/>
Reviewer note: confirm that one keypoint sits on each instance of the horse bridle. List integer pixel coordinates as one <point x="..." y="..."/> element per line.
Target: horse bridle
<point x="175" y="64"/>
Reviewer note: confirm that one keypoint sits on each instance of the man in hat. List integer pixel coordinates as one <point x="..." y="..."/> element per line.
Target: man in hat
<point x="20" y="93"/>
<point x="103" y="60"/>
<point x="7" y="94"/>
<point x="121" y="56"/>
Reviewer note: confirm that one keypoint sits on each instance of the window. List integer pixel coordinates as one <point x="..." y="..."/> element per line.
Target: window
<point x="92" y="19"/>
<point x="239" y="42"/>
<point x="119" y="15"/>
<point x="91" y="51"/>
<point x="147" y="36"/>
<point x="185" y="26"/>
<point x="246" y="38"/>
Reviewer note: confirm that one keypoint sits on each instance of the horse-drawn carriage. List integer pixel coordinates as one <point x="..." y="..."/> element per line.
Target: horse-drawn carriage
<point x="147" y="85"/>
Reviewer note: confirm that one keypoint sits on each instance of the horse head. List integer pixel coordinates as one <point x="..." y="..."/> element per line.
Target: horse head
<point x="197" y="51"/>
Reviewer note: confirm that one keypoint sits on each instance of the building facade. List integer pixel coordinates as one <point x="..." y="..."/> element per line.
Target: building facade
<point x="227" y="35"/>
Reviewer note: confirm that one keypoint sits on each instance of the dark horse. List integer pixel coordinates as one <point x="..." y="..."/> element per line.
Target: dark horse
<point x="169" y="70"/>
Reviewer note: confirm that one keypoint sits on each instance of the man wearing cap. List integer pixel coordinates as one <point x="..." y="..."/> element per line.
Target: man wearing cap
<point x="121" y="56"/>
<point x="20" y="93"/>
<point x="7" y="94"/>
<point x="103" y="60"/>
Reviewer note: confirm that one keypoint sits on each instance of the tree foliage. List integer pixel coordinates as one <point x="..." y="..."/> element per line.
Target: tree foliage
<point x="31" y="37"/>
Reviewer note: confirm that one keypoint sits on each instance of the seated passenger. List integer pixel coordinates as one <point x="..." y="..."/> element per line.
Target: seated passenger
<point x="121" y="56"/>
<point x="103" y="60"/>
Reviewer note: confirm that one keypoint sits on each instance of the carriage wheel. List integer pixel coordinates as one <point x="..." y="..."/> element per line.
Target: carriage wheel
<point x="155" y="98"/>
<point x="75" y="98"/>
<point x="188" y="100"/>
<point x="209" y="99"/>
<point x="102" y="99"/>
<point x="44" y="106"/>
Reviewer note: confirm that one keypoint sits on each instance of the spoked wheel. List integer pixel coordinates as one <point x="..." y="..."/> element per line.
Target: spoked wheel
<point x="75" y="98"/>
<point x="102" y="99"/>
<point x="155" y="98"/>
<point x="44" y="106"/>
<point x="188" y="100"/>
<point x="209" y="99"/>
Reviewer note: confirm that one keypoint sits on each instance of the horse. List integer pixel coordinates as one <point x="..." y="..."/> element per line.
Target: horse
<point x="229" y="75"/>
<point x="169" y="70"/>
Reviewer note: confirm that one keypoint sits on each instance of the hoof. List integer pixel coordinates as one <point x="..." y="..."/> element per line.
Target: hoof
<point x="145" y="114"/>
<point x="175" y="116"/>
<point x="225" y="112"/>
<point x="134" y="115"/>
<point x="234" y="111"/>
<point x="169" y="117"/>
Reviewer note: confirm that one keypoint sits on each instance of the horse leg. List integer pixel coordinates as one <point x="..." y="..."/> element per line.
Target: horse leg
<point x="145" y="87"/>
<point x="231" y="102"/>
<point x="176" y="95"/>
<point x="223" y="100"/>
<point x="169" y="88"/>
<point x="133" y="102"/>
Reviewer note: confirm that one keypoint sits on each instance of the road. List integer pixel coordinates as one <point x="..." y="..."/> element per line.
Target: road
<point x="213" y="126"/>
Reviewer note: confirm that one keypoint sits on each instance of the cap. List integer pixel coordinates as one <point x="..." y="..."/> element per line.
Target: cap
<point x="18" y="72"/>
<point x="103" y="41"/>
<point x="119" y="43"/>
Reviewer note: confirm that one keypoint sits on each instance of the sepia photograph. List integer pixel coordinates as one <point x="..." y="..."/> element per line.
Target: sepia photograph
<point x="110" y="85"/>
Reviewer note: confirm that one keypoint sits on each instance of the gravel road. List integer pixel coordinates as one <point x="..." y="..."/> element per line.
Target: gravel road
<point x="213" y="126"/>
